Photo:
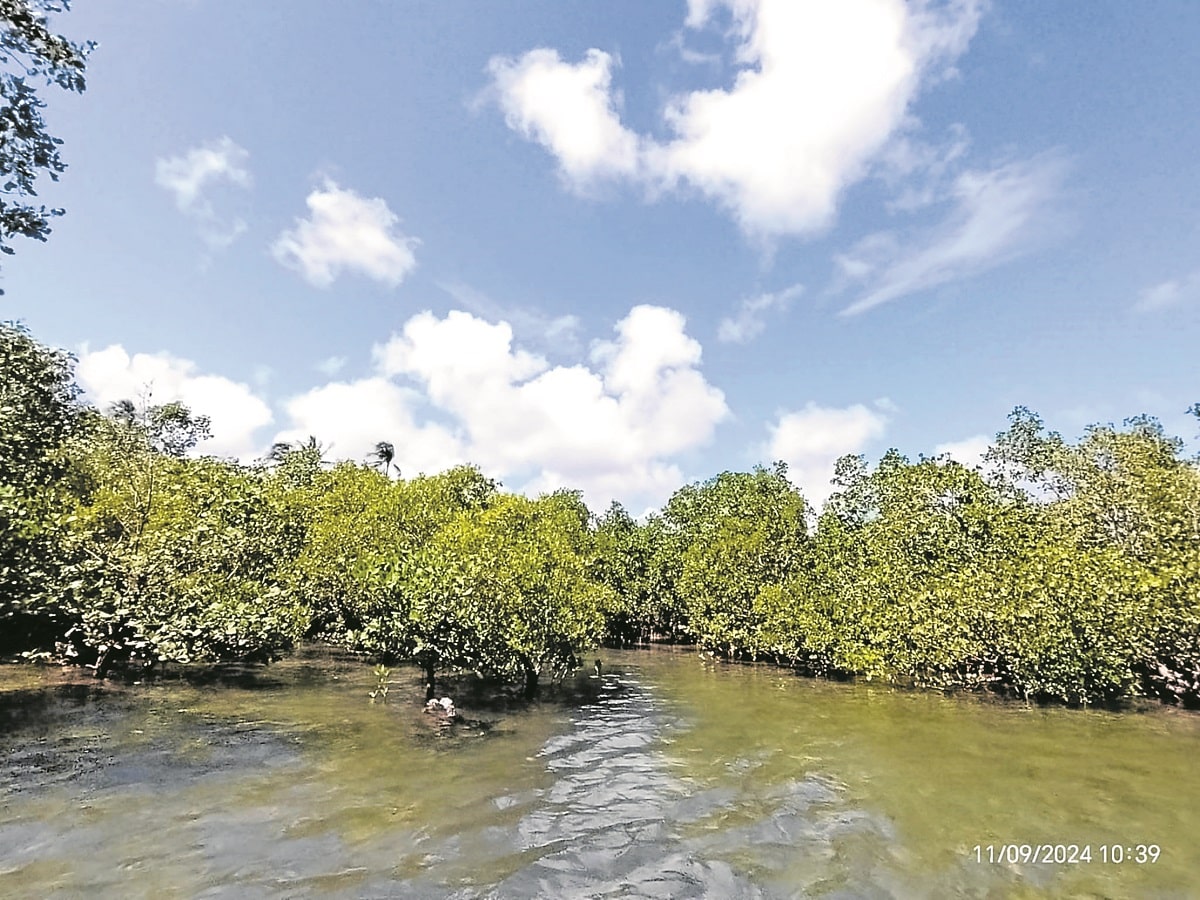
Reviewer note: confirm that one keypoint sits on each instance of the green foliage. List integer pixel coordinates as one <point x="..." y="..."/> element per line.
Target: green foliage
<point x="382" y="684"/>
<point x="348" y="537"/>
<point x="735" y="535"/>
<point x="113" y="545"/>
<point x="296" y="466"/>
<point x="31" y="52"/>
<point x="640" y="564"/>
<point x="38" y="409"/>
<point x="181" y="557"/>
<point x="38" y="414"/>
<point x="1069" y="573"/>
<point x="361" y="534"/>
<point x="1060" y="570"/>
<point x="499" y="586"/>
<point x="532" y="562"/>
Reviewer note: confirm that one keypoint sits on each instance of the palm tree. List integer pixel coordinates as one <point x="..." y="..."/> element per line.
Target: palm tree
<point x="313" y="449"/>
<point x="279" y="451"/>
<point x="124" y="412"/>
<point x="383" y="455"/>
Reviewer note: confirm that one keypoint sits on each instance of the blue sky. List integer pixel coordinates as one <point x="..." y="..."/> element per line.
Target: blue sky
<point x="623" y="246"/>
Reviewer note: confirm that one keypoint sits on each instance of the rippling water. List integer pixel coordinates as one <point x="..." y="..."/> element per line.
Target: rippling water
<point x="669" y="776"/>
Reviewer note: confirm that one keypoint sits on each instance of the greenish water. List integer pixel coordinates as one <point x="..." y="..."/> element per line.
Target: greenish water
<point x="667" y="777"/>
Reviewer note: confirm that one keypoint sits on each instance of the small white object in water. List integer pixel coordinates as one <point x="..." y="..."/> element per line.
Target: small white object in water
<point x="444" y="707"/>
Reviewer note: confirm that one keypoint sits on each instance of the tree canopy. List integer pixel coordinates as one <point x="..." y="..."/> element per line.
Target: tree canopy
<point x="1058" y="569"/>
<point x="31" y="52"/>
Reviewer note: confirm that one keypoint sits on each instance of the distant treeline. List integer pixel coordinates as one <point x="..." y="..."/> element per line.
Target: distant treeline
<point x="1056" y="570"/>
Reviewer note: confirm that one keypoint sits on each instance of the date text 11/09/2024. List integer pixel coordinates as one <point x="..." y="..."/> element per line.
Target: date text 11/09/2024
<point x="1110" y="854"/>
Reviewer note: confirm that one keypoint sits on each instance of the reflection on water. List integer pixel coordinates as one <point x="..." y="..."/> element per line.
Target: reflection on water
<point x="668" y="777"/>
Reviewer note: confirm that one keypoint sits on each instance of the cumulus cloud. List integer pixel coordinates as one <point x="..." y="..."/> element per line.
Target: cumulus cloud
<point x="1177" y="292"/>
<point x="811" y="441"/>
<point x="997" y="215"/>
<point x="608" y="428"/>
<point x="346" y="232"/>
<point x="191" y="177"/>
<point x="570" y="109"/>
<point x="457" y="388"/>
<point x="237" y="414"/>
<point x="350" y="418"/>
<point x="750" y="319"/>
<point x="820" y="90"/>
<point x="968" y="452"/>
<point x="559" y="333"/>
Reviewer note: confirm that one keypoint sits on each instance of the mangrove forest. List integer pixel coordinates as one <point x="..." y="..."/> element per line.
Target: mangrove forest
<point x="1056" y="570"/>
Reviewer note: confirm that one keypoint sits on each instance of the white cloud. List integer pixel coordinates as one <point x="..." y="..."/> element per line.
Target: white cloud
<point x="918" y="171"/>
<point x="750" y="319"/>
<point x="608" y="429"/>
<point x="331" y="365"/>
<point x="997" y="215"/>
<point x="825" y="85"/>
<point x="559" y="334"/>
<point x="568" y="109"/>
<point x="1176" y="292"/>
<point x="237" y="414"/>
<point x="812" y="440"/>
<point x="186" y="176"/>
<point x="456" y="389"/>
<point x="191" y="176"/>
<point x="350" y="418"/>
<point x="821" y="89"/>
<point x="968" y="452"/>
<point x="868" y="256"/>
<point x="689" y="55"/>
<point x="346" y="232"/>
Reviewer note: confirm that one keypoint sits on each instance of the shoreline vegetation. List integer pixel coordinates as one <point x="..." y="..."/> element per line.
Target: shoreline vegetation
<point x="1055" y="571"/>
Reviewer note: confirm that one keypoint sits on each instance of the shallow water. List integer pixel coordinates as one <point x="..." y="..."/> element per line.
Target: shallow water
<point x="669" y="776"/>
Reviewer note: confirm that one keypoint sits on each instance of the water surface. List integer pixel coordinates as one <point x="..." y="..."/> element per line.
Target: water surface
<point x="670" y="776"/>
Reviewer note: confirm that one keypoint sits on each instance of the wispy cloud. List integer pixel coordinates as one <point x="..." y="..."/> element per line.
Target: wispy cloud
<point x="1177" y="292"/>
<point x="548" y="332"/>
<point x="997" y="215"/>
<point x="191" y="176"/>
<point x="921" y="173"/>
<point x="751" y="316"/>
<point x="346" y="232"/>
<point x="331" y="365"/>
<point x="678" y="45"/>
